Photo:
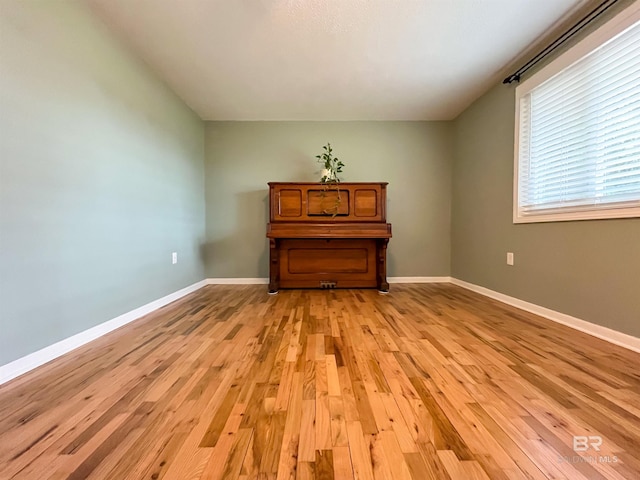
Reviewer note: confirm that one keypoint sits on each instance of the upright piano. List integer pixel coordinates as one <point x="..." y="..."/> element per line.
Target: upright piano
<point x="328" y="235"/>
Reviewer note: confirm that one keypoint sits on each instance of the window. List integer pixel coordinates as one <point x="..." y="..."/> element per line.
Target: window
<point x="578" y="130"/>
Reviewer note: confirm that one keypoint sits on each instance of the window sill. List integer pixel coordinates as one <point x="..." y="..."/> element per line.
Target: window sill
<point x="601" y="214"/>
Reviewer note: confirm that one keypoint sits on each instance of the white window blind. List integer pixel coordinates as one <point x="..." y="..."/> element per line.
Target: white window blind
<point x="578" y="146"/>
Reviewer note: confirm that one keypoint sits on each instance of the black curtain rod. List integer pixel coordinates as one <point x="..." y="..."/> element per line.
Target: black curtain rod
<point x="590" y="17"/>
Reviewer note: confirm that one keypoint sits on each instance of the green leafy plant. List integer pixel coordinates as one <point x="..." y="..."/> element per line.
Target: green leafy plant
<point x="330" y="180"/>
<point x="332" y="165"/>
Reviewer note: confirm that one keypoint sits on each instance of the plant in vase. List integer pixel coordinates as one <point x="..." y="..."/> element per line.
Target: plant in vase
<point x="330" y="180"/>
<point x="332" y="166"/>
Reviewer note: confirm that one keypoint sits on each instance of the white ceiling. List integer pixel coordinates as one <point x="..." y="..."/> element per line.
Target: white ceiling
<point x="330" y="59"/>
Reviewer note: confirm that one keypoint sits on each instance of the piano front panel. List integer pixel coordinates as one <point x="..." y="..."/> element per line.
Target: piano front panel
<point x="327" y="203"/>
<point x="365" y="203"/>
<point x="312" y="202"/>
<point x="327" y="263"/>
<point x="290" y="203"/>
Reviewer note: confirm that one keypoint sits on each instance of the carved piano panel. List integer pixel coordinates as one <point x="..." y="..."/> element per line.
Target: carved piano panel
<point x="327" y="263"/>
<point x="328" y="236"/>
<point x="313" y="202"/>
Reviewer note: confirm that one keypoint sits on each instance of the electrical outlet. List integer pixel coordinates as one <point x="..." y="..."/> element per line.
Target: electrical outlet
<point x="509" y="258"/>
<point x="174" y="258"/>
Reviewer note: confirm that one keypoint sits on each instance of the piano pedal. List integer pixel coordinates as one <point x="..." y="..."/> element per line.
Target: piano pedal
<point x="327" y="284"/>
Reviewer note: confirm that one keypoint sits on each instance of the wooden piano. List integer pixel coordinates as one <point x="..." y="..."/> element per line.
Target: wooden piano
<point x="328" y="236"/>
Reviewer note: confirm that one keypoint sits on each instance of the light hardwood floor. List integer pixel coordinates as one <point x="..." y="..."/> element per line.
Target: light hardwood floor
<point x="430" y="381"/>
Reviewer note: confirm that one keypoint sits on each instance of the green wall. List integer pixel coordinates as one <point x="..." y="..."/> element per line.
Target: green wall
<point x="587" y="269"/>
<point x="414" y="157"/>
<point x="101" y="178"/>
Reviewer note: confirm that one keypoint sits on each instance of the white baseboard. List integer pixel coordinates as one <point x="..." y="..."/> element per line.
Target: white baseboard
<point x="604" y="333"/>
<point x="23" y="365"/>
<point x="419" y="279"/>
<point x="237" y="281"/>
<point x="265" y="281"/>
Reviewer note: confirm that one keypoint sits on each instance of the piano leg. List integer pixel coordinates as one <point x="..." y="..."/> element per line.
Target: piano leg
<point x="383" y="285"/>
<point x="274" y="266"/>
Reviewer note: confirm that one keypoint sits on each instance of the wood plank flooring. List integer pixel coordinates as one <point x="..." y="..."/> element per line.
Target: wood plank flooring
<point x="428" y="382"/>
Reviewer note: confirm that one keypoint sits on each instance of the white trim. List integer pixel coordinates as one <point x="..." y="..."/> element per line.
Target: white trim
<point x="237" y="281"/>
<point x="419" y="279"/>
<point x="265" y="281"/>
<point x="604" y="333"/>
<point x="597" y="214"/>
<point x="27" y="363"/>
